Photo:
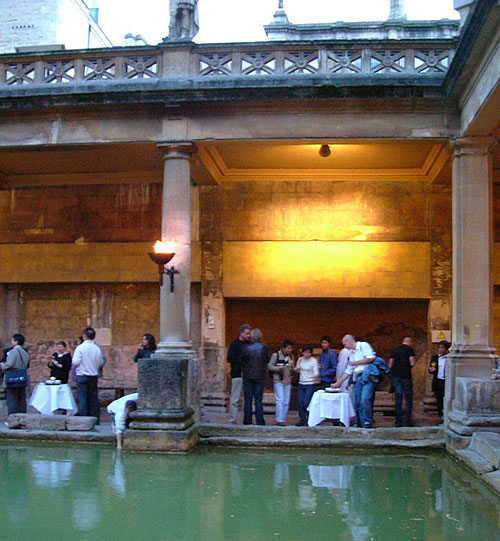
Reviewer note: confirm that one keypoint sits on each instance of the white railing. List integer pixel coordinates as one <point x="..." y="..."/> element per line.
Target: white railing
<point x="204" y="61"/>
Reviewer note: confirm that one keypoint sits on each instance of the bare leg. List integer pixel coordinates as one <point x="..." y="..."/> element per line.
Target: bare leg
<point x="119" y="440"/>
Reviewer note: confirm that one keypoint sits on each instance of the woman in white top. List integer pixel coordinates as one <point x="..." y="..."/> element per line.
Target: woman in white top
<point x="307" y="367"/>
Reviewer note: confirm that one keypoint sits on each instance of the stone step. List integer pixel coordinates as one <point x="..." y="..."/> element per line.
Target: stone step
<point x="487" y="444"/>
<point x="271" y="432"/>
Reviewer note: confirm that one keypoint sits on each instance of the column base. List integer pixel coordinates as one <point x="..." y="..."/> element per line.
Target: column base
<point x="162" y="420"/>
<point x="168" y="441"/>
<point x="476" y="407"/>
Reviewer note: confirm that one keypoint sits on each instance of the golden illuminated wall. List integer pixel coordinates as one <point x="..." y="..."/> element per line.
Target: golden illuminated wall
<point x="326" y="269"/>
<point x="85" y="262"/>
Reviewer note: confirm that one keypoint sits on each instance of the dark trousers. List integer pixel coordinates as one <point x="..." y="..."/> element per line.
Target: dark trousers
<point x="305" y="394"/>
<point x="16" y="400"/>
<point x="253" y="390"/>
<point x="88" y="401"/>
<point x="403" y="386"/>
<point x="438" y="389"/>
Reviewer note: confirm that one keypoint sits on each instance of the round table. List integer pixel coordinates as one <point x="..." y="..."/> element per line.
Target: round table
<point x="48" y="398"/>
<point x="325" y="405"/>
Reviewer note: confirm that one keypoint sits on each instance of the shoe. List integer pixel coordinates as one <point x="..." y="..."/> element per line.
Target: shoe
<point x="261" y="424"/>
<point x="280" y="424"/>
<point x="300" y="424"/>
<point x="248" y="423"/>
<point x="398" y="425"/>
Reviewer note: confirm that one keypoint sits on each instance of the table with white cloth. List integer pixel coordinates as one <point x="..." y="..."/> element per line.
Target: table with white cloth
<point x="325" y="405"/>
<point x="48" y="398"/>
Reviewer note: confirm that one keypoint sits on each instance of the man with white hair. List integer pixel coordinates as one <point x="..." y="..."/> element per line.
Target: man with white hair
<point x="361" y="355"/>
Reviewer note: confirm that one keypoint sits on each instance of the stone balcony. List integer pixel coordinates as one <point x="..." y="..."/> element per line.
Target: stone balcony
<point x="187" y="66"/>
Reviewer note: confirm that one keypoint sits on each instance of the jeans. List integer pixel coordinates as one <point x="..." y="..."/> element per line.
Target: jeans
<point x="282" y="394"/>
<point x="405" y="386"/>
<point x="364" y="394"/>
<point x="16" y="400"/>
<point x="253" y="389"/>
<point x="88" y="401"/>
<point x="305" y="394"/>
<point x="236" y="386"/>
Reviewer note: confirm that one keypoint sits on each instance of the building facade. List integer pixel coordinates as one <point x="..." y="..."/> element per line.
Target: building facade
<point x="70" y="24"/>
<point x="392" y="233"/>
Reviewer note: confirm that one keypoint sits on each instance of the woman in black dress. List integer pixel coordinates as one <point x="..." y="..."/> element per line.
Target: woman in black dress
<point x="60" y="363"/>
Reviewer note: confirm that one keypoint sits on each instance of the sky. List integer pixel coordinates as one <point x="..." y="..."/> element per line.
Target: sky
<point x="243" y="20"/>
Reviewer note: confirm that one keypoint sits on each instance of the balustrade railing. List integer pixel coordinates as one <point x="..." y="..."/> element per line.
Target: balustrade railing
<point x="205" y="61"/>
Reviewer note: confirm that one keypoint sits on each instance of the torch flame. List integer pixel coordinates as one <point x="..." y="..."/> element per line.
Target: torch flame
<point x="164" y="247"/>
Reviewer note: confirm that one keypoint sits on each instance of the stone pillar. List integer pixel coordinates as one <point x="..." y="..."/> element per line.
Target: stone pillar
<point x="164" y="419"/>
<point x="472" y="354"/>
<point x="397" y="11"/>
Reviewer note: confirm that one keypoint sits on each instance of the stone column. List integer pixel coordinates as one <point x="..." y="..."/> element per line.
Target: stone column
<point x="164" y="419"/>
<point x="176" y="226"/>
<point x="472" y="354"/>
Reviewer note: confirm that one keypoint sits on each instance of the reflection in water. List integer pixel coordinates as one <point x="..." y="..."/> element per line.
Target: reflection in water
<point x="117" y="479"/>
<point x="51" y="473"/>
<point x="281" y="474"/>
<point x="86" y="512"/>
<point x="339" y="477"/>
<point x="91" y="493"/>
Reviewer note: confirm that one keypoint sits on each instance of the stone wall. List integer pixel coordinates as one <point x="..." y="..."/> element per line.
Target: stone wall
<point x="106" y="213"/>
<point x="302" y="211"/>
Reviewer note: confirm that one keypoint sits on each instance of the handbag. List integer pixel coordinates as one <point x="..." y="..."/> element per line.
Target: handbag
<point x="15" y="378"/>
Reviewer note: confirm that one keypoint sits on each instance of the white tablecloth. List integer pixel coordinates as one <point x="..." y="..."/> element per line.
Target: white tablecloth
<point x="49" y="398"/>
<point x="325" y="405"/>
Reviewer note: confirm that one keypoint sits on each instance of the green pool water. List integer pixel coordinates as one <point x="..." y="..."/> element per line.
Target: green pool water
<point x="59" y="492"/>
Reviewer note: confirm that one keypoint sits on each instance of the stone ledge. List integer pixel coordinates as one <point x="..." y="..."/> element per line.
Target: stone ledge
<point x="34" y="421"/>
<point x="210" y="430"/>
<point x="319" y="443"/>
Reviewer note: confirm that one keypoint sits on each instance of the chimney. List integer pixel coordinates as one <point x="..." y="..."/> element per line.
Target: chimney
<point x="398" y="11"/>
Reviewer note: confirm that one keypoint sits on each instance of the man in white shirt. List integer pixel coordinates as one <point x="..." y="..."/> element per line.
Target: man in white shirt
<point x="361" y="355"/>
<point x="88" y="360"/>
<point x="119" y="410"/>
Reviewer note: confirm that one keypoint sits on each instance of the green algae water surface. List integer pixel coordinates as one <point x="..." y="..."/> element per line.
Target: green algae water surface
<point x="59" y="492"/>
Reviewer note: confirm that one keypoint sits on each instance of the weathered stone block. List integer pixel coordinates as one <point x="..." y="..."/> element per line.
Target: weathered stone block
<point x="170" y="441"/>
<point x="487" y="444"/>
<point x="477" y="396"/>
<point x="52" y="422"/>
<point x="80" y="423"/>
<point x="34" y="421"/>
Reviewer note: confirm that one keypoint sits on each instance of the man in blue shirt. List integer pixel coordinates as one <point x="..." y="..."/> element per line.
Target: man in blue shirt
<point x="328" y="361"/>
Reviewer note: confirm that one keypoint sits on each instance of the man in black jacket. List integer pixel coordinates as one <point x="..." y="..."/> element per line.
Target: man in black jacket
<point x="254" y="365"/>
<point x="234" y="355"/>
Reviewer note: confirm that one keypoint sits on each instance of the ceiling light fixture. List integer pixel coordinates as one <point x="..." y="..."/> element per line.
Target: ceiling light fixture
<point x="325" y="151"/>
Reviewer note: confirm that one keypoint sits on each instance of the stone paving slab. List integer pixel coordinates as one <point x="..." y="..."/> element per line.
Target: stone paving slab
<point x="100" y="435"/>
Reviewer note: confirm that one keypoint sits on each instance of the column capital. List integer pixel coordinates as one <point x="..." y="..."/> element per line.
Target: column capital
<point x="473" y="146"/>
<point x="183" y="150"/>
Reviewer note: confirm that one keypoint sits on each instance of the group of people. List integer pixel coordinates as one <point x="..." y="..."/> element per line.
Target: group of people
<point x="87" y="362"/>
<point x="356" y="369"/>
